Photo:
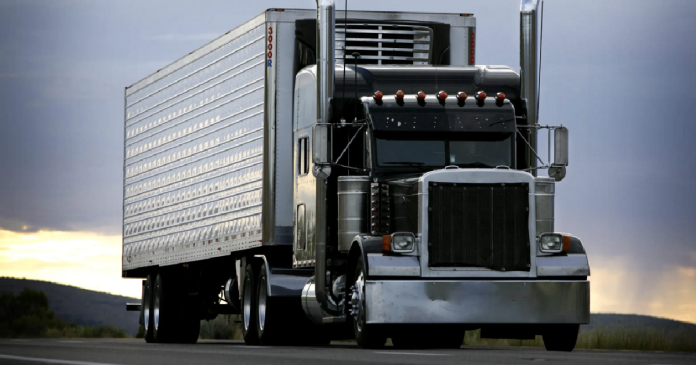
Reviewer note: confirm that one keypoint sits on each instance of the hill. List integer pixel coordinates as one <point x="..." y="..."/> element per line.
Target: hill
<point x="635" y="321"/>
<point x="87" y="307"/>
<point x="82" y="306"/>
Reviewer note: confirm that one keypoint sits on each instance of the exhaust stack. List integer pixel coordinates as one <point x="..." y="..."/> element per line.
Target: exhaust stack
<point x="326" y="30"/>
<point x="326" y="57"/>
<point x="529" y="58"/>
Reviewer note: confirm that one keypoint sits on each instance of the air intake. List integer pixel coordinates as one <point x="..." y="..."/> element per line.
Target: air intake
<point x="384" y="44"/>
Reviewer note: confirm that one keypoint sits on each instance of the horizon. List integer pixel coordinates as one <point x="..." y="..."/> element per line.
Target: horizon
<point x="628" y="192"/>
<point x="108" y="293"/>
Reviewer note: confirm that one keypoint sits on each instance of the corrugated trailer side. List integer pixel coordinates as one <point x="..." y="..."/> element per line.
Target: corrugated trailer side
<point x="194" y="153"/>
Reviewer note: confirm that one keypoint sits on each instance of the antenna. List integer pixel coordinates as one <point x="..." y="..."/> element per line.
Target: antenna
<point x="345" y="50"/>
<point x="541" y="46"/>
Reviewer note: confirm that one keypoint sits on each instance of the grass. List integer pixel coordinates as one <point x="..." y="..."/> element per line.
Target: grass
<point x="86" y="332"/>
<point x="223" y="327"/>
<point x="619" y="338"/>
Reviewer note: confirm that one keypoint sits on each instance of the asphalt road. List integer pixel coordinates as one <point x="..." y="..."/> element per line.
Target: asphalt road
<point x="136" y="352"/>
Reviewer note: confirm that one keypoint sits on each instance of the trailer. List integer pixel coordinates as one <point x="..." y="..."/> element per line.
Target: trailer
<point x="328" y="174"/>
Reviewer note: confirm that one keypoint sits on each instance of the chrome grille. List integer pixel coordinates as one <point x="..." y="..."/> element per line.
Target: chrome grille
<point x="384" y="44"/>
<point x="479" y="225"/>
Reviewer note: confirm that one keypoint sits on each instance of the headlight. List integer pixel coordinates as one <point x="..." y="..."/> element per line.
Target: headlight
<point x="399" y="242"/>
<point x="551" y="242"/>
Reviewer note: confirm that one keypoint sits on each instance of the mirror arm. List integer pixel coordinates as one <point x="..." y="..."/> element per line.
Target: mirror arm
<point x="544" y="165"/>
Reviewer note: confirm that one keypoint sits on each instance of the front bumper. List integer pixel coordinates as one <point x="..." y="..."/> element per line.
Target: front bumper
<point x="477" y="302"/>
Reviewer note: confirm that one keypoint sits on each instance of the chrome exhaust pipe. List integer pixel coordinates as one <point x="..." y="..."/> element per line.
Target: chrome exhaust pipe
<point x="326" y="30"/>
<point x="326" y="57"/>
<point x="529" y="58"/>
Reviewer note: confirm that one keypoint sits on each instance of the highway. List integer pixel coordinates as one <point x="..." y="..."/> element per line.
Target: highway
<point x="137" y="352"/>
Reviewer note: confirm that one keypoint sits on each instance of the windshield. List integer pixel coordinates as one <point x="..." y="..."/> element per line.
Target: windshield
<point x="473" y="149"/>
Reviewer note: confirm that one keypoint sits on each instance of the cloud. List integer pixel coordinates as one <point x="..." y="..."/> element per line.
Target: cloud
<point x="622" y="286"/>
<point x="171" y="37"/>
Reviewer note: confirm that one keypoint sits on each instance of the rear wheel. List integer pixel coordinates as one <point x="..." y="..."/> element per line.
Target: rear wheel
<point x="561" y="337"/>
<point x="270" y="320"/>
<point x="147" y="309"/>
<point x="367" y="336"/>
<point x="249" y="307"/>
<point x="162" y="310"/>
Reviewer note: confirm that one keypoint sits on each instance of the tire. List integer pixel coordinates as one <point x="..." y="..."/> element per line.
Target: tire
<point x="269" y="320"/>
<point x="147" y="310"/>
<point x="367" y="336"/>
<point x="561" y="337"/>
<point x="163" y="314"/>
<point x="249" y="307"/>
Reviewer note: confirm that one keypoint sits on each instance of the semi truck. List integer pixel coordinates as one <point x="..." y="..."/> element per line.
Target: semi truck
<point x="330" y="174"/>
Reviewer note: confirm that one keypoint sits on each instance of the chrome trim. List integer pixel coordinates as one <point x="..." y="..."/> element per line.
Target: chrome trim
<point x="570" y="265"/>
<point x="379" y="265"/>
<point x="478" y="302"/>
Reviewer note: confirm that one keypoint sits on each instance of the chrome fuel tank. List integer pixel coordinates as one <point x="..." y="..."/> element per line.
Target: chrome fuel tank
<point x="353" y="200"/>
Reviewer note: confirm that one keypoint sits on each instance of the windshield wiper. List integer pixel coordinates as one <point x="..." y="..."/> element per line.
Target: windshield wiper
<point x="474" y="164"/>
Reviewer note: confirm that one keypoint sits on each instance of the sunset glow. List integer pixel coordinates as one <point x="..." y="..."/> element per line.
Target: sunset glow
<point x="82" y="259"/>
<point x="93" y="261"/>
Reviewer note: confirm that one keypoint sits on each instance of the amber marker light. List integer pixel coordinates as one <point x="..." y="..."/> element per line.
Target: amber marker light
<point x="442" y="95"/>
<point x="500" y="97"/>
<point x="386" y="243"/>
<point x="481" y="95"/>
<point x="420" y="95"/>
<point x="400" y="95"/>
<point x="462" y="95"/>
<point x="378" y="95"/>
<point x="566" y="243"/>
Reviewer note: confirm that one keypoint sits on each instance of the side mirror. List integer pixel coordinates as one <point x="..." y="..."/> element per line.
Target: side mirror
<point x="560" y="154"/>
<point x="560" y="146"/>
<point x="320" y="151"/>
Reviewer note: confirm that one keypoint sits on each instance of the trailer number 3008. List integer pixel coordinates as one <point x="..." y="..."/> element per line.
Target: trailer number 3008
<point x="270" y="46"/>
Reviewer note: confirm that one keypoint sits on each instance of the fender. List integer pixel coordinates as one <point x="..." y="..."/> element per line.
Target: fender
<point x="284" y="282"/>
<point x="361" y="246"/>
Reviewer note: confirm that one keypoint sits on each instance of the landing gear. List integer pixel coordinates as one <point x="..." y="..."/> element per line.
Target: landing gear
<point x="561" y="337"/>
<point x="367" y="336"/>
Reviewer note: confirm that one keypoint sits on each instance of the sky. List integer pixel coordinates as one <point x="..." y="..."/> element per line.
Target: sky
<point x="618" y="74"/>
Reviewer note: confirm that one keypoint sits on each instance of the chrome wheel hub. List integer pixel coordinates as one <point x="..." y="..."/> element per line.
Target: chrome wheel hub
<point x="357" y="301"/>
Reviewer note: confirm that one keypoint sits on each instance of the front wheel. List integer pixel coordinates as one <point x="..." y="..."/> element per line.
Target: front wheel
<point x="367" y="336"/>
<point x="561" y="337"/>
